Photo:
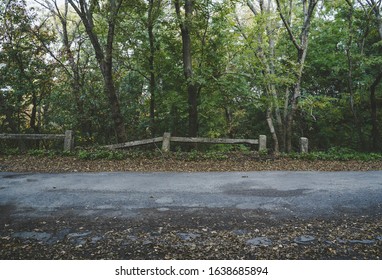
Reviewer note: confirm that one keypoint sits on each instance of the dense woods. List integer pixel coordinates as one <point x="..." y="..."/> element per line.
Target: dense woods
<point x="118" y="70"/>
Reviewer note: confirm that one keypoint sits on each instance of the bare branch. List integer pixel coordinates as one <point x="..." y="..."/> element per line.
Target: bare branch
<point x="287" y="26"/>
<point x="251" y="5"/>
<point x="37" y="34"/>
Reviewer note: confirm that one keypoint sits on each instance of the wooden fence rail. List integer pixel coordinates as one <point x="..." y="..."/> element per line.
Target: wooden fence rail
<point x="67" y="137"/>
<point x="135" y="143"/>
<point x="167" y="139"/>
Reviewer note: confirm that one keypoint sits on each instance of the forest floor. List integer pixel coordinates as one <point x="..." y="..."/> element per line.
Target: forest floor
<point x="174" y="163"/>
<point x="220" y="234"/>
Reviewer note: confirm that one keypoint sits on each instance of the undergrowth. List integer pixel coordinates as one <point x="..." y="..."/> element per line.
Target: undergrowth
<point x="338" y="154"/>
<point x="96" y="153"/>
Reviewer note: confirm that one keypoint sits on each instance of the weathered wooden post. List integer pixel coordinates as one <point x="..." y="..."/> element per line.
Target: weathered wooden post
<point x="68" y="141"/>
<point x="262" y="143"/>
<point x="304" y="145"/>
<point x="166" y="142"/>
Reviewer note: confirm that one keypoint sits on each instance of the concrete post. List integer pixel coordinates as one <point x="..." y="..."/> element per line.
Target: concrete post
<point x="69" y="141"/>
<point x="304" y="145"/>
<point x="166" y="142"/>
<point x="262" y="143"/>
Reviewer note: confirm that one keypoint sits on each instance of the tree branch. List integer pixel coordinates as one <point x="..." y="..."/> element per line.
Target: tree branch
<point x="286" y="24"/>
<point x="252" y="7"/>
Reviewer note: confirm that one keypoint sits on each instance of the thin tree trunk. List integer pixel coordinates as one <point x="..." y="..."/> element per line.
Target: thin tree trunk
<point x="61" y="12"/>
<point x="290" y="117"/>
<point x="374" y="117"/>
<point x="77" y="86"/>
<point x="8" y="111"/>
<point x="285" y="116"/>
<point x="104" y="58"/>
<point x="273" y="131"/>
<point x="267" y="59"/>
<point x="33" y="118"/>
<point x="301" y="45"/>
<point x="192" y="110"/>
<point x="376" y="7"/>
<point x="192" y="87"/>
<point x="153" y="78"/>
<point x="350" y="60"/>
<point x="273" y="93"/>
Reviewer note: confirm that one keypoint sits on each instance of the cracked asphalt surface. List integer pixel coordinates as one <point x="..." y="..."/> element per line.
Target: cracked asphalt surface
<point x="297" y="194"/>
<point x="161" y="215"/>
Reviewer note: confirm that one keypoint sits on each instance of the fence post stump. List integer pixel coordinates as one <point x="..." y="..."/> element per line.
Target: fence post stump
<point x="304" y="145"/>
<point x="166" y="142"/>
<point x="262" y="143"/>
<point x="68" y="141"/>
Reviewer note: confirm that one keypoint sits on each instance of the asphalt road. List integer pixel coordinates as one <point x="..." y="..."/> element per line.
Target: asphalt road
<point x="125" y="195"/>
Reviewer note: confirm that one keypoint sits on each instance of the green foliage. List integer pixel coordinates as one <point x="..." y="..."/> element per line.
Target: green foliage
<point x="101" y="154"/>
<point x="10" y="151"/>
<point x="338" y="154"/>
<point x="42" y="153"/>
<point x="36" y="152"/>
<point x="243" y="64"/>
<point x="25" y="77"/>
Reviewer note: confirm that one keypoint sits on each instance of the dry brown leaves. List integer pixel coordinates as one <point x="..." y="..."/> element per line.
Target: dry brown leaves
<point x="329" y="239"/>
<point x="27" y="163"/>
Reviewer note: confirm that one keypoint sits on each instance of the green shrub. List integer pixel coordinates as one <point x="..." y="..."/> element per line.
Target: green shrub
<point x="336" y="153"/>
<point x="11" y="151"/>
<point x="42" y="153"/>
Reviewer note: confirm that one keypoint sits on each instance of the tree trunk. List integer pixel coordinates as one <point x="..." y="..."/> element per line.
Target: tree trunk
<point x="76" y="85"/>
<point x="104" y="58"/>
<point x="267" y="59"/>
<point x="290" y="117"/>
<point x="301" y="45"/>
<point x="192" y="110"/>
<point x="285" y="116"/>
<point x="350" y="64"/>
<point x="8" y="111"/>
<point x="33" y="118"/>
<point x="373" y="102"/>
<point x="374" y="119"/>
<point x="153" y="81"/>
<point x="273" y="131"/>
<point x="119" y="125"/>
<point x="192" y="87"/>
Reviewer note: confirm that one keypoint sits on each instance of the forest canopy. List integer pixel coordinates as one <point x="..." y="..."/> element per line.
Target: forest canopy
<point x="118" y="70"/>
